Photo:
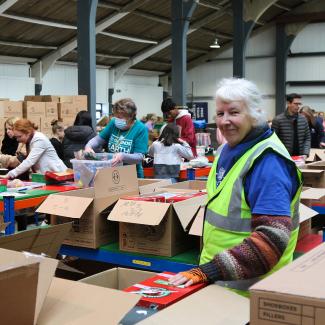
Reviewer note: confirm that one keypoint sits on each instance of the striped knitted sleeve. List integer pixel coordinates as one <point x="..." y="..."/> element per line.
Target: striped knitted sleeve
<point x="256" y="255"/>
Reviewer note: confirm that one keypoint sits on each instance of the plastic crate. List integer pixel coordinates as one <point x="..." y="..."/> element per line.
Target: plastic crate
<point x="85" y="170"/>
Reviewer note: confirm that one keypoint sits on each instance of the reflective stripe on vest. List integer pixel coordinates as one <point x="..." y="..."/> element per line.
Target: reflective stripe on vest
<point x="234" y="222"/>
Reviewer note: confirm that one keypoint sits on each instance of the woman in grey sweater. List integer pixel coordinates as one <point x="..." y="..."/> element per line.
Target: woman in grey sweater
<point x="41" y="155"/>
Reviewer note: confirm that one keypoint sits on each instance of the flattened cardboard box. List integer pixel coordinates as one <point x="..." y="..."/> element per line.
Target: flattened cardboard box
<point x="16" y="267"/>
<point x="293" y="295"/>
<point x="154" y="227"/>
<point x="210" y="305"/>
<point x="86" y="207"/>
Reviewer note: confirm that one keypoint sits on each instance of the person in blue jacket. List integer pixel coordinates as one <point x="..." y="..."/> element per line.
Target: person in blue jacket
<point x="125" y="136"/>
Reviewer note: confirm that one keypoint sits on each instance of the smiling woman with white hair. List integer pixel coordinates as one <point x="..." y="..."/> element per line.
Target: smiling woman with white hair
<point x="251" y="217"/>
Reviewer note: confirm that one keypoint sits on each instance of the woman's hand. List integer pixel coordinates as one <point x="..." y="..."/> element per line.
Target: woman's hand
<point x="89" y="149"/>
<point x="179" y="279"/>
<point x="118" y="158"/>
<point x="189" y="277"/>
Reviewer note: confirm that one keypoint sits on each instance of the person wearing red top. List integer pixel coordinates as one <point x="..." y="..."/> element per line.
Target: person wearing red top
<point x="183" y="119"/>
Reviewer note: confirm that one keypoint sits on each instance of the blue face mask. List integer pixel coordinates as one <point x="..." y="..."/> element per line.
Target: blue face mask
<point x="120" y="123"/>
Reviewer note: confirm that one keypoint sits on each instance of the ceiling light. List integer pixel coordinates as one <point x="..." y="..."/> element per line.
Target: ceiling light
<point x="215" y="44"/>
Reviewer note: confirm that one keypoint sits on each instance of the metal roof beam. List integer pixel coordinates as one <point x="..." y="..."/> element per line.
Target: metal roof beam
<point x="50" y="58"/>
<point x="129" y="38"/>
<point x="196" y="50"/>
<point x="278" y="5"/>
<point x="38" y="21"/>
<point x="6" y="5"/>
<point x="122" y="68"/>
<point x="16" y="59"/>
<point x="208" y="5"/>
<point x="27" y="45"/>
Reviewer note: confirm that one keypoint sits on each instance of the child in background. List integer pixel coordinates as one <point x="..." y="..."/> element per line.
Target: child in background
<point x="58" y="135"/>
<point x="168" y="152"/>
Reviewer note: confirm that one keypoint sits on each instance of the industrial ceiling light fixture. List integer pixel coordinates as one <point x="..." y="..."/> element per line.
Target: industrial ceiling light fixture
<point x="215" y="44"/>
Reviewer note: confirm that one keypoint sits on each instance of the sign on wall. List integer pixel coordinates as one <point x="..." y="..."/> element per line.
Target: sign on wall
<point x="199" y="110"/>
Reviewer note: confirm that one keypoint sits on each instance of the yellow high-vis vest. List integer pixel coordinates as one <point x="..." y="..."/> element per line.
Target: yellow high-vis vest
<point x="228" y="216"/>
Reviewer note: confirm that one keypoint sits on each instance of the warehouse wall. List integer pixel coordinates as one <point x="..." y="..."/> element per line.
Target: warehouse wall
<point x="260" y="68"/>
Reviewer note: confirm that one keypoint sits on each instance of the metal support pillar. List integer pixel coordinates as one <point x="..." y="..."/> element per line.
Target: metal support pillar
<point x="9" y="214"/>
<point x="285" y="34"/>
<point x="181" y="14"/>
<point x="38" y="89"/>
<point x="242" y="30"/>
<point x="86" y="22"/>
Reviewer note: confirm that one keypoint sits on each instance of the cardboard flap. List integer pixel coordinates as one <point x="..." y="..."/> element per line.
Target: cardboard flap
<point x="18" y="286"/>
<point x="313" y="194"/>
<point x="66" y="304"/>
<point x="45" y="240"/>
<point x="305" y="213"/>
<point x="312" y="171"/>
<point x="139" y="212"/>
<point x="201" y="308"/>
<point x="65" y="206"/>
<point x="197" y="226"/>
<point x="150" y="185"/>
<point x="47" y="268"/>
<point x="115" y="181"/>
<point x="307" y="271"/>
<point x="187" y="209"/>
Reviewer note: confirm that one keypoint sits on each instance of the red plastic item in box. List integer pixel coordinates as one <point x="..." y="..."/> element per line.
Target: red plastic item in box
<point x="157" y="294"/>
<point x="145" y="198"/>
<point x="59" y="176"/>
<point x="182" y="197"/>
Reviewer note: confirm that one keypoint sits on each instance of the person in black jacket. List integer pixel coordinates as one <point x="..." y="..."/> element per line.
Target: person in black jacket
<point x="315" y="126"/>
<point x="9" y="142"/>
<point x="77" y="136"/>
<point x="56" y="140"/>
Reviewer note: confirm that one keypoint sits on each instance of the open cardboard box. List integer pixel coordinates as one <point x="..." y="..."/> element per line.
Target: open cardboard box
<point x="155" y="227"/>
<point x="149" y="185"/>
<point x="293" y="295"/>
<point x="86" y="206"/>
<point x="195" y="185"/>
<point x="43" y="240"/>
<point x="118" y="278"/>
<point x="316" y="155"/>
<point x="313" y="177"/>
<point x="24" y="281"/>
<point x="75" y="303"/>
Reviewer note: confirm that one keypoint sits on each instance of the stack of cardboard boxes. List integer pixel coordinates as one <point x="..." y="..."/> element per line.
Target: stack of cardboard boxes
<point x="42" y="110"/>
<point x="8" y="109"/>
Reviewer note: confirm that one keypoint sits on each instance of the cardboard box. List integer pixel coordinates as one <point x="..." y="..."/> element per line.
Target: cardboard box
<point x="46" y="126"/>
<point x="51" y="110"/>
<point x="118" y="278"/>
<point x="75" y="303"/>
<point x="2" y="126"/>
<point x="24" y="281"/>
<point x="36" y="119"/>
<point x="44" y="240"/>
<point x="33" y="98"/>
<point x="80" y="102"/>
<point x="86" y="207"/>
<point x="31" y="109"/>
<point x="157" y="293"/>
<point x="315" y="155"/>
<point x="11" y="109"/>
<point x="68" y="121"/>
<point x="313" y="177"/>
<point x="188" y="185"/>
<point x="66" y="99"/>
<point x="293" y="295"/>
<point x="149" y="185"/>
<point x="154" y="227"/>
<point x="67" y="110"/>
<point x="210" y="305"/>
<point x="49" y="98"/>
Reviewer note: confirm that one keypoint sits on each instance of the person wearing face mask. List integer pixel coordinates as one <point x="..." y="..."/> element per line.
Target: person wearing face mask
<point x="251" y="218"/>
<point x="124" y="136"/>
